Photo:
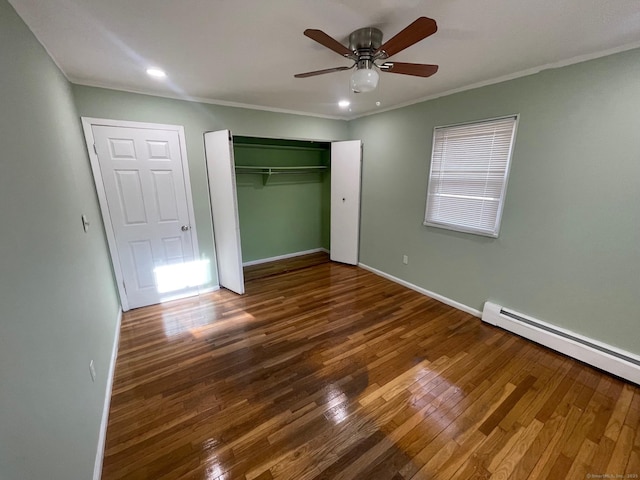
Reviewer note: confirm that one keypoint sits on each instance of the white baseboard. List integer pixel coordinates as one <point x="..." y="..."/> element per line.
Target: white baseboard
<point x="428" y="293"/>
<point x="282" y="257"/>
<point x="588" y="350"/>
<point x="97" y="469"/>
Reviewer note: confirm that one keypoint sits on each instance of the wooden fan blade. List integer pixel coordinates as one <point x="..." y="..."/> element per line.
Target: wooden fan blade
<point x="418" y="30"/>
<point x="321" y="72"/>
<point x="415" y="69"/>
<point x="327" y="41"/>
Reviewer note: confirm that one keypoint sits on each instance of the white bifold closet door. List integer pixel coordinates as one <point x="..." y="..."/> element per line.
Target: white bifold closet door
<point x="346" y="167"/>
<point x="224" y="209"/>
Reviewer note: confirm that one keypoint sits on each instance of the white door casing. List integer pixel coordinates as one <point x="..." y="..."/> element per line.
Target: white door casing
<point x="145" y="196"/>
<point x="224" y="209"/>
<point x="346" y="167"/>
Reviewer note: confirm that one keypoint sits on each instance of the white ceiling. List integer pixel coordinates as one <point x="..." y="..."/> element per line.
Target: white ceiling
<point x="247" y="51"/>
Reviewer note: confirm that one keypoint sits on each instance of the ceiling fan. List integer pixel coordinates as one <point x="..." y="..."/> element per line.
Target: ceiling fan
<point x="366" y="48"/>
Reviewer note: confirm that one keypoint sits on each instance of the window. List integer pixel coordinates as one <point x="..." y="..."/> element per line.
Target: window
<point x="468" y="177"/>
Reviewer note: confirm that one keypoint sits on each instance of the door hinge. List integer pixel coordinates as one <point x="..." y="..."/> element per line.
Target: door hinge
<point x="95" y="149"/>
<point x="124" y="286"/>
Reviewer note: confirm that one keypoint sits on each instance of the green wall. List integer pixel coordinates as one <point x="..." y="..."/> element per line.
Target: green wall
<point x="285" y="215"/>
<point x="569" y="246"/>
<point x="198" y="118"/>
<point x="58" y="304"/>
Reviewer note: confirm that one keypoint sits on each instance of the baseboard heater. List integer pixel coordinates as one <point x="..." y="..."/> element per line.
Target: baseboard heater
<point x="600" y="355"/>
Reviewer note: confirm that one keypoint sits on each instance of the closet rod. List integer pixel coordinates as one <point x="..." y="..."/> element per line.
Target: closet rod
<point x="265" y="169"/>
<point x="268" y="172"/>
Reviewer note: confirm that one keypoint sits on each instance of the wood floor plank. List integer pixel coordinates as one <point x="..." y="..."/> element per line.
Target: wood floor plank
<point x="620" y="456"/>
<point x="505" y="468"/>
<point x="326" y="371"/>
<point x="539" y="447"/>
<point x="476" y="464"/>
<point x="507" y="405"/>
<point x="619" y="414"/>
<point x="580" y="467"/>
<point x="600" y="459"/>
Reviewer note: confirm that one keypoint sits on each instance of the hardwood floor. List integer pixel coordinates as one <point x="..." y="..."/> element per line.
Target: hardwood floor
<point x="268" y="269"/>
<point x="331" y="372"/>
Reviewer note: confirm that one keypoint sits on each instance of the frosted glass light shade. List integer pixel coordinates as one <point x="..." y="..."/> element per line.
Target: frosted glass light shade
<point x="364" y="80"/>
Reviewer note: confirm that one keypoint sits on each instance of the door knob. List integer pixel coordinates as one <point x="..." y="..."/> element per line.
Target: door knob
<point x="185" y="228"/>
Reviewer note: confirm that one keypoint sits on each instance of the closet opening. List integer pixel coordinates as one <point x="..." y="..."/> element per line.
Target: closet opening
<point x="280" y="199"/>
<point x="284" y="203"/>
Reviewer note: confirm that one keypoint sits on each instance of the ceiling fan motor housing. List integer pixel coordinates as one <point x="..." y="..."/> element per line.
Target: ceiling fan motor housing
<point x="365" y="41"/>
<point x="369" y="37"/>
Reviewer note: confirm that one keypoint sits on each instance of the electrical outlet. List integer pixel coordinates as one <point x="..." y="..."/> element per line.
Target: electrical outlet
<point x="405" y="259"/>
<point x="92" y="371"/>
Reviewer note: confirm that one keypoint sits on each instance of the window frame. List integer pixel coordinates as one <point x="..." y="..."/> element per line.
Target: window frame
<point x="503" y="193"/>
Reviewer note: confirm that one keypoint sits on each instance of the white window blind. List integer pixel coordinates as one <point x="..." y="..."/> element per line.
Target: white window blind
<point x="468" y="177"/>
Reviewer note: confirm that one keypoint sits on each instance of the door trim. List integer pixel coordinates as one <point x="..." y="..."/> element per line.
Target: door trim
<point x="87" y="124"/>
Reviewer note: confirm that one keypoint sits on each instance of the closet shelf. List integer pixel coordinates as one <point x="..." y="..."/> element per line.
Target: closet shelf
<point x="262" y="146"/>
<point x="268" y="171"/>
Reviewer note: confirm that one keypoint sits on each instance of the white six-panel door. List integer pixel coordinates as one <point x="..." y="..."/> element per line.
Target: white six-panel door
<point x="144" y="183"/>
<point x="346" y="166"/>
<point x="224" y="209"/>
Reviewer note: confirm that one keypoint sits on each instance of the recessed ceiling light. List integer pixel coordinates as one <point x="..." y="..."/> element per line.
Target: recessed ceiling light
<point x="344" y="103"/>
<point x="377" y="104"/>
<point x="156" y="73"/>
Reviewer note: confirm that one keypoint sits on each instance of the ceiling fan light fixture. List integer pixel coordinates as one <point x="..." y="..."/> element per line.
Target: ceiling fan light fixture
<point x="364" y="80"/>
